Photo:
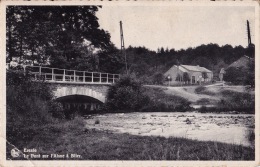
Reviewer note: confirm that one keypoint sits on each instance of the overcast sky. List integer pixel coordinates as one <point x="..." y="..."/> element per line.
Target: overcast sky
<point x="177" y="26"/>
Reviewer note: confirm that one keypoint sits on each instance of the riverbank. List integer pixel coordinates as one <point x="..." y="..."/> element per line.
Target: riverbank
<point x="72" y="138"/>
<point x="217" y="99"/>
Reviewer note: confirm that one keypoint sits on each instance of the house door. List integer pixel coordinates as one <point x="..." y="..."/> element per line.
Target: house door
<point x="193" y="79"/>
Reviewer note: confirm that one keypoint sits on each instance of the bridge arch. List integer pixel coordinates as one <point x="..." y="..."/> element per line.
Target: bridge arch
<point x="63" y="91"/>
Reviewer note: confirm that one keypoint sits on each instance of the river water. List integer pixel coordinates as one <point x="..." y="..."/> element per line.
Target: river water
<point x="226" y="128"/>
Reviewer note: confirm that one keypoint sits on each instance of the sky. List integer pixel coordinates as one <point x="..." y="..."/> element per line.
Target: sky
<point x="177" y="27"/>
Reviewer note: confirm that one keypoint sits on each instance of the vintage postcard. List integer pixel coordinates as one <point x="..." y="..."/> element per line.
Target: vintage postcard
<point x="141" y="83"/>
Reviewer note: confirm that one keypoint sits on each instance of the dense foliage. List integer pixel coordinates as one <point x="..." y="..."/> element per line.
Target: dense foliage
<point x="236" y="101"/>
<point x="129" y="95"/>
<point x="239" y="102"/>
<point x="29" y="105"/>
<point x="126" y="94"/>
<point x="61" y="36"/>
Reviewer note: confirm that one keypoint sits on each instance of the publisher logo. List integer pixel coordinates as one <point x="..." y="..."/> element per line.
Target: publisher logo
<point x="15" y="153"/>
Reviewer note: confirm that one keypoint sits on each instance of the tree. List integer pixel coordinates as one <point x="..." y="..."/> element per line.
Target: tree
<point x="61" y="36"/>
<point x="250" y="78"/>
<point x="125" y="95"/>
<point x="111" y="60"/>
<point x="158" y="79"/>
<point x="235" y="75"/>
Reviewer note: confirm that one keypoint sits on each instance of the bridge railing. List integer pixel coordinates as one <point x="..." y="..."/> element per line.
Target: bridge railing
<point x="64" y="75"/>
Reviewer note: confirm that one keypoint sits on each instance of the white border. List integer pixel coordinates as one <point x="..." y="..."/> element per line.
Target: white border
<point x="6" y="163"/>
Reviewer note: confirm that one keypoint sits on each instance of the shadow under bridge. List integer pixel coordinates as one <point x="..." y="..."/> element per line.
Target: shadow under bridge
<point x="83" y="98"/>
<point x="80" y="103"/>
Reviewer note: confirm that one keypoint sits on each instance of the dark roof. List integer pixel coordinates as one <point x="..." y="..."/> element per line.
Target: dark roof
<point x="241" y="62"/>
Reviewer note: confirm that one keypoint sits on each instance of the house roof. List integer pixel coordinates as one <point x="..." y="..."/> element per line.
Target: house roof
<point x="182" y="69"/>
<point x="195" y="68"/>
<point x="241" y="62"/>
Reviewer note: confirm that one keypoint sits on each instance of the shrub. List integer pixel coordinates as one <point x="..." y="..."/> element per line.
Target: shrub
<point x="158" y="78"/>
<point x="203" y="101"/>
<point x="238" y="101"/>
<point x="22" y="91"/>
<point x="159" y="101"/>
<point x="56" y="109"/>
<point x="203" y="90"/>
<point x="200" y="89"/>
<point x="28" y="106"/>
<point x="203" y="109"/>
<point x="251" y="136"/>
<point x="129" y="95"/>
<point x="237" y="76"/>
<point x="125" y="95"/>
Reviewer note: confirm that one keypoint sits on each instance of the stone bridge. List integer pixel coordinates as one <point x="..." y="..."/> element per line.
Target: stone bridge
<point x="96" y="91"/>
<point x="83" y="97"/>
<point x="74" y="88"/>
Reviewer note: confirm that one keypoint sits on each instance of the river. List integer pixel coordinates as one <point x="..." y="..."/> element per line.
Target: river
<point x="226" y="128"/>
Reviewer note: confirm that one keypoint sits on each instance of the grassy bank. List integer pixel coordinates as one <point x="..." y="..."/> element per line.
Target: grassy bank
<point x="230" y="100"/>
<point x="129" y="95"/>
<point x="71" y="138"/>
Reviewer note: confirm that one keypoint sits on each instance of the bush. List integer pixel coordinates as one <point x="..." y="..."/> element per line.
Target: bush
<point x="238" y="101"/>
<point x="125" y="95"/>
<point x="57" y="110"/>
<point x="203" y="90"/>
<point x="203" y="101"/>
<point x="200" y="89"/>
<point x="158" y="79"/>
<point x="237" y="76"/>
<point x="29" y="106"/>
<point x="22" y="91"/>
<point x="129" y="95"/>
<point x="159" y="101"/>
<point x="251" y="136"/>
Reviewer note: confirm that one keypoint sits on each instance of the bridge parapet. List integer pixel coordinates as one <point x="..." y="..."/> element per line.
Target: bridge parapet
<point x="69" y="76"/>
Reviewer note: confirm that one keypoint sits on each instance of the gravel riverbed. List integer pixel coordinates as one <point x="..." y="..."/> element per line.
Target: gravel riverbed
<point x="226" y="128"/>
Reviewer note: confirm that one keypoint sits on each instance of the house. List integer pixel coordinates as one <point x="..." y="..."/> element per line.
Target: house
<point x="241" y="62"/>
<point x="187" y="74"/>
<point x="240" y="72"/>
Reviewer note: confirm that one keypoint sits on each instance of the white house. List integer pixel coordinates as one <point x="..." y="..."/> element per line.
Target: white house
<point x="196" y="74"/>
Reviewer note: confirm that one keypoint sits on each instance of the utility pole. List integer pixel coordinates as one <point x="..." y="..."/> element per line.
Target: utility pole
<point x="123" y="45"/>
<point x="248" y="34"/>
